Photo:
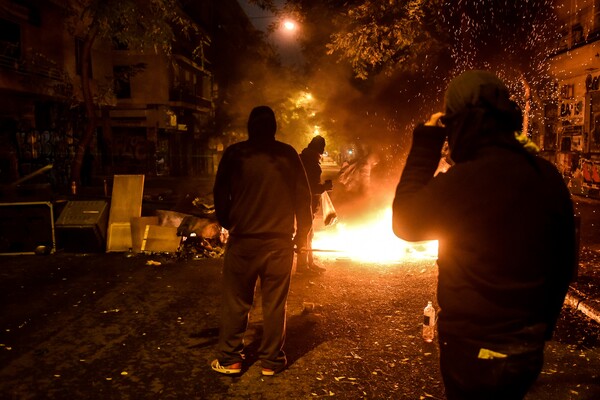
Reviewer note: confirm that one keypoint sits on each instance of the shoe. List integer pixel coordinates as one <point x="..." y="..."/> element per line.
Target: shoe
<point x="235" y="368"/>
<point x="304" y="270"/>
<point x="271" y="372"/>
<point x="316" y="268"/>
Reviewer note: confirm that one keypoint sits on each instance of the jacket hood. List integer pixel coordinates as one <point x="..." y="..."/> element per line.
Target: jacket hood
<point x="261" y="124"/>
<point x="317" y="144"/>
<point x="479" y="112"/>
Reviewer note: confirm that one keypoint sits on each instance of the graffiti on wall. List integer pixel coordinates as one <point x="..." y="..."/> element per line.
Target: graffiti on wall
<point x="36" y="149"/>
<point x="566" y="163"/>
<point x="132" y="151"/>
<point x="133" y="148"/>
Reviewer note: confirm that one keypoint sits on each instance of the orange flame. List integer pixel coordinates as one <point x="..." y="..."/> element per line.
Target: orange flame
<point x="371" y="241"/>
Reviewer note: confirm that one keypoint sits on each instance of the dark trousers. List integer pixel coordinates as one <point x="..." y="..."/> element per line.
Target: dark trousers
<point x="468" y="377"/>
<point x="246" y="261"/>
<point x="305" y="258"/>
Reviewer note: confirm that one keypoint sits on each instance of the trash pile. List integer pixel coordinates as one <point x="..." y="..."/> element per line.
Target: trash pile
<point x="201" y="235"/>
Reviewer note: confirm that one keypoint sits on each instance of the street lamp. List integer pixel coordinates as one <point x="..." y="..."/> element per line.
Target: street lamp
<point x="289" y="25"/>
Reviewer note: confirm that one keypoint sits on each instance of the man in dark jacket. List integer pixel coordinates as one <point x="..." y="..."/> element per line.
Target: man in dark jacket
<point x="262" y="197"/>
<point x="311" y="160"/>
<point x="507" y="250"/>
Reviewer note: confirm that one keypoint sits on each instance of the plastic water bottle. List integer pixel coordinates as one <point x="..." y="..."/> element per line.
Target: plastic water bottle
<point x="429" y="322"/>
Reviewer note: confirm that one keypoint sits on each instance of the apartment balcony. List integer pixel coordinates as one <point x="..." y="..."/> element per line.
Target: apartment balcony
<point x="31" y="72"/>
<point x="187" y="97"/>
<point x="31" y="64"/>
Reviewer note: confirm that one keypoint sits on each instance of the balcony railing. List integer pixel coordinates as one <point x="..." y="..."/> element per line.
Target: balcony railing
<point x="188" y="95"/>
<point x="34" y="64"/>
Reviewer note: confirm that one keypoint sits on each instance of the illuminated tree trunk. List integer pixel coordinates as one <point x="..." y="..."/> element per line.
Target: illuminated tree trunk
<point x="88" y="100"/>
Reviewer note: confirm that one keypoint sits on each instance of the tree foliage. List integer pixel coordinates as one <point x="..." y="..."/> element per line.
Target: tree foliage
<point x="436" y="40"/>
<point x="382" y="36"/>
<point x="375" y="36"/>
<point x="139" y="25"/>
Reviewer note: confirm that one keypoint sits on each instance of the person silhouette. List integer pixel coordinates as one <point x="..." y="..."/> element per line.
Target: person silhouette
<point x="311" y="160"/>
<point x="262" y="198"/>
<point x="507" y="244"/>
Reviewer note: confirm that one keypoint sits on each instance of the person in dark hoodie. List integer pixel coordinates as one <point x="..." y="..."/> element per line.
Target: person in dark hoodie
<point x="263" y="199"/>
<point x="507" y="247"/>
<point x="311" y="160"/>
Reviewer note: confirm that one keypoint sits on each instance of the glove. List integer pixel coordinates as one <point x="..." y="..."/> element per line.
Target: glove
<point x="328" y="185"/>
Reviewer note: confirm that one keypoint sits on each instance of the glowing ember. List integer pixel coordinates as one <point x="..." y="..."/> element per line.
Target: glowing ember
<point x="371" y="241"/>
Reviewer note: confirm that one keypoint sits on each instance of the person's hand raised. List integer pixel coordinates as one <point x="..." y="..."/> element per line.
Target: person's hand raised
<point x="434" y="120"/>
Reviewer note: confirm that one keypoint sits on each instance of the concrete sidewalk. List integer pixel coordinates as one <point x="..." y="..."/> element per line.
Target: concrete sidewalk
<point x="590" y="307"/>
<point x="584" y="291"/>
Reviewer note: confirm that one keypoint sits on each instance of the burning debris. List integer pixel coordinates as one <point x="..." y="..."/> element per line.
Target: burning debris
<point x="355" y="176"/>
<point x="371" y="240"/>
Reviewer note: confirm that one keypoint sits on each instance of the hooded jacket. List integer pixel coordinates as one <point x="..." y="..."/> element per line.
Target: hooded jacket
<point x="311" y="160"/>
<point x="261" y="190"/>
<point x="503" y="219"/>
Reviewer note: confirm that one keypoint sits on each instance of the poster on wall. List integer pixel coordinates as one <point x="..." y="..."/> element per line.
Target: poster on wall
<point x="595" y="122"/>
<point x="590" y="171"/>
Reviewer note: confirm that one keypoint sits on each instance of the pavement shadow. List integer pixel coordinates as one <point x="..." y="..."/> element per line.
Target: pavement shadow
<point x="301" y="337"/>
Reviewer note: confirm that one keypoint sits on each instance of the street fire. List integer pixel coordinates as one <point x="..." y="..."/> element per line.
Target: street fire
<point x="370" y="241"/>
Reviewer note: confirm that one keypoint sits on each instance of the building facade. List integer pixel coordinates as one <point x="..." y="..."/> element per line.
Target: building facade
<point x="573" y="125"/>
<point x="154" y="113"/>
<point x="37" y="69"/>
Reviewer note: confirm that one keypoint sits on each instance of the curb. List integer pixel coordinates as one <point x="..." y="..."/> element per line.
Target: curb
<point x="589" y="307"/>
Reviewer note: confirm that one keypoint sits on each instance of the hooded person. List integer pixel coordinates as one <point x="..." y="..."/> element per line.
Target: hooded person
<point x="263" y="199"/>
<point x="311" y="160"/>
<point x="479" y="112"/>
<point x="504" y="221"/>
<point x="262" y="125"/>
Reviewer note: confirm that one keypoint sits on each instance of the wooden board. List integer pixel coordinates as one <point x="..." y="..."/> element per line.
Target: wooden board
<point x="160" y="239"/>
<point x="138" y="229"/>
<point x="119" y="237"/>
<point x="125" y="203"/>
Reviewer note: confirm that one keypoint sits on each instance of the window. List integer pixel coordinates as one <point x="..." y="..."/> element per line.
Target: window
<point x="565" y="144"/>
<point x="119" y="45"/>
<point x="577" y="32"/>
<point x="10" y="39"/>
<point x="122" y="77"/>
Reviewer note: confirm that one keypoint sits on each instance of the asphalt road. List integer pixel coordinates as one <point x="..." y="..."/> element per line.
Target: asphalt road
<point x="108" y="326"/>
